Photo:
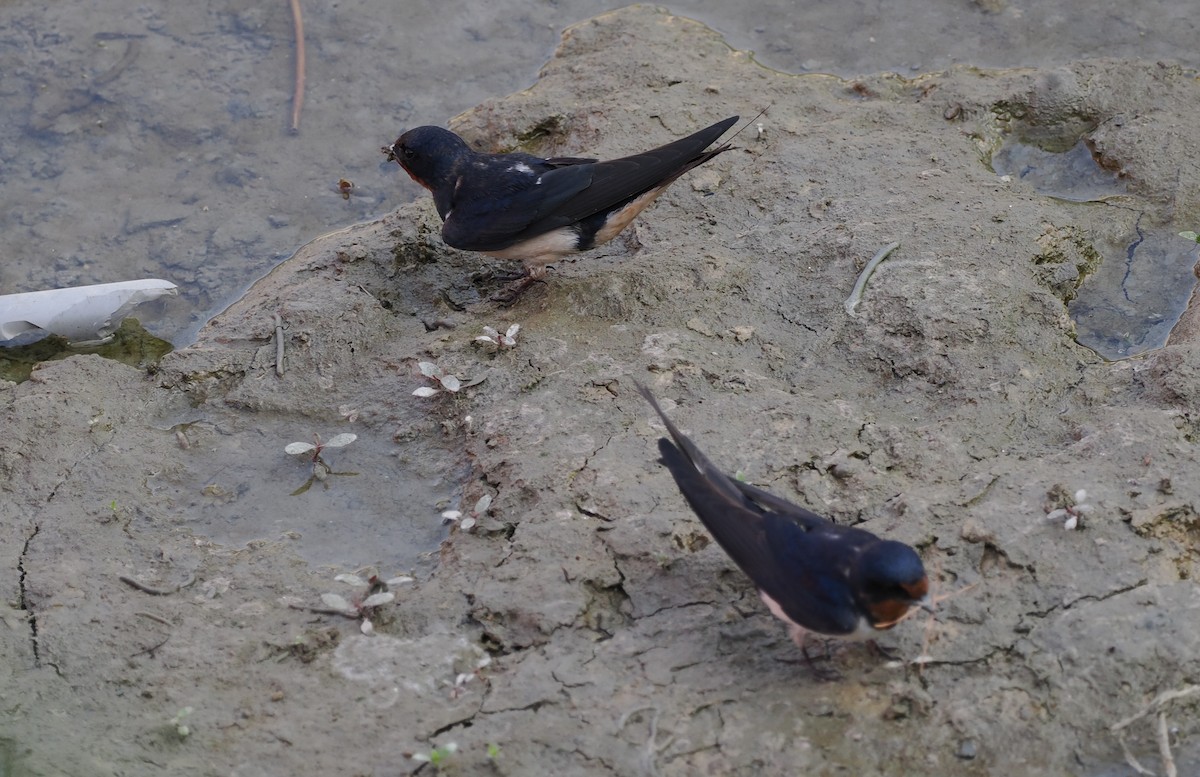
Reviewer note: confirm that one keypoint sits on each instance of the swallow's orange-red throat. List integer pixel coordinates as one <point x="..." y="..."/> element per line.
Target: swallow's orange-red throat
<point x="522" y="207"/>
<point x="811" y="573"/>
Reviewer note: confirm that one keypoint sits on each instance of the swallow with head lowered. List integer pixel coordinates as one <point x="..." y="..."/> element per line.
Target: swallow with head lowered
<point x="521" y="207"/>
<point x="814" y="575"/>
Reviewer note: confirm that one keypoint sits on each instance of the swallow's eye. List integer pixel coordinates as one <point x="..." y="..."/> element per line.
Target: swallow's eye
<point x="407" y="152"/>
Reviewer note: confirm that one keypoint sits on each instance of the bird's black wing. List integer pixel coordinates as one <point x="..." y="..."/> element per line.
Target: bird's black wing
<point x="804" y="571"/>
<point x="495" y="211"/>
<point x="694" y="457"/>
<point x="619" y="180"/>
<point x="811" y="578"/>
<point x="800" y="559"/>
<point x="494" y="207"/>
<point x="564" y="161"/>
<point x="765" y="499"/>
<point x="740" y="530"/>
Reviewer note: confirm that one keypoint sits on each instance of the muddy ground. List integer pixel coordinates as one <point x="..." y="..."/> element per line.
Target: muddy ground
<point x="585" y="624"/>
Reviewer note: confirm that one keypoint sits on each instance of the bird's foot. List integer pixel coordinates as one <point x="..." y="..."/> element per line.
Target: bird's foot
<point x="823" y="673"/>
<point x="513" y="291"/>
<point x="509" y="276"/>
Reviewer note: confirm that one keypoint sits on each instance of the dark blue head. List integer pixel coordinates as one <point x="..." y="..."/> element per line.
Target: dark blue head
<point x="430" y="155"/>
<point x="889" y="579"/>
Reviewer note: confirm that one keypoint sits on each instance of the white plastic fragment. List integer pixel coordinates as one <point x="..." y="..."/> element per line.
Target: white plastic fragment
<point x="78" y="313"/>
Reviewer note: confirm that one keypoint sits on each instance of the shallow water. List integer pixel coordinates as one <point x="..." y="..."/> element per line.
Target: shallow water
<point x="154" y="141"/>
<point x="1129" y="303"/>
<point x="379" y="505"/>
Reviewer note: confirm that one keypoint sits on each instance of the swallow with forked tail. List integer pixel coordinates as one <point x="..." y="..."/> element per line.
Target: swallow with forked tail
<point x="519" y="206"/>
<point x="812" y="574"/>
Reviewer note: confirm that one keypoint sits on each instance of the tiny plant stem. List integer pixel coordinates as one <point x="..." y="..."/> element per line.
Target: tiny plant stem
<point x="298" y="95"/>
<point x="278" y="345"/>
<point x="156" y="591"/>
<point x="861" y="284"/>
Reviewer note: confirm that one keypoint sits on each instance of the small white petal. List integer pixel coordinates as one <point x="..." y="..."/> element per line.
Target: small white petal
<point x="1083" y="508"/>
<point x="491" y="334"/>
<point x="299" y="447"/>
<point x="483" y="504"/>
<point x="428" y="369"/>
<point x="512" y="331"/>
<point x="450" y="383"/>
<point x="425" y="391"/>
<point x="483" y="662"/>
<point x="400" y="580"/>
<point x="1054" y="515"/>
<point x="467" y="524"/>
<point x="336" y="602"/>
<point x="1080" y="496"/>
<point x="353" y="580"/>
<point x="374" y="600"/>
<point x="462" y="679"/>
<point x="451" y="515"/>
<point x="422" y="757"/>
<point x="366" y="627"/>
<point x="1071" y="523"/>
<point x="449" y="747"/>
<point x="340" y="440"/>
<point x="486" y="339"/>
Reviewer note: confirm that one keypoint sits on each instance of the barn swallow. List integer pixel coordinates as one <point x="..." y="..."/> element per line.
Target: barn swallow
<point x="519" y="206"/>
<point x="812" y="574"/>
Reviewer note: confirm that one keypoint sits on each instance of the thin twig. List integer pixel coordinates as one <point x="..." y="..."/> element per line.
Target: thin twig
<point x="156" y="591"/>
<point x="323" y="610"/>
<point x="154" y="617"/>
<point x="298" y="95"/>
<point x="1155" y="703"/>
<point x="935" y="599"/>
<point x="861" y="284"/>
<point x="278" y="345"/>
<point x="1163" y="734"/>
<point x="1133" y="762"/>
<point x="1164" y="746"/>
<point x="152" y="648"/>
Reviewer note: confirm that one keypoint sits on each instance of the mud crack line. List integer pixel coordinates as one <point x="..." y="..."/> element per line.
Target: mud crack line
<point x="25" y="604"/>
<point x="1129" y="256"/>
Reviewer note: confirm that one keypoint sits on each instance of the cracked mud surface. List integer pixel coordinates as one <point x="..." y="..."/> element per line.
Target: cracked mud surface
<point x="618" y="639"/>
